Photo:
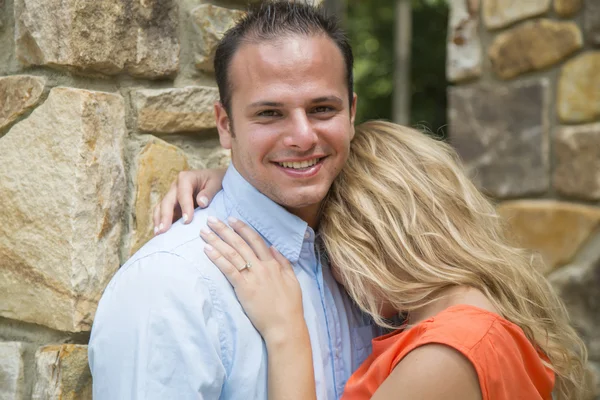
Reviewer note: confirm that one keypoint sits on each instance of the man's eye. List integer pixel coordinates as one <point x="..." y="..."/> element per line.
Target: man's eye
<point x="322" y="109"/>
<point x="268" y="113"/>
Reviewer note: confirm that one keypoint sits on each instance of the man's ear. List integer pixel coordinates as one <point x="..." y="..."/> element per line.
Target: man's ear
<point x="353" y="114"/>
<point x="223" y="126"/>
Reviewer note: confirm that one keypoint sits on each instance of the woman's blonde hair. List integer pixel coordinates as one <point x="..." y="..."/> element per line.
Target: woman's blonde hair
<point x="404" y="222"/>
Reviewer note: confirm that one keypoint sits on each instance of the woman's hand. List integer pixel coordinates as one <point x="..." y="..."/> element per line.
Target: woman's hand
<point x="263" y="279"/>
<point x="190" y="189"/>
<point x="267" y="288"/>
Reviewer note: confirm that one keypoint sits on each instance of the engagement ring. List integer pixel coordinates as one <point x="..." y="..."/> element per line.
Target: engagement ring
<point x="246" y="266"/>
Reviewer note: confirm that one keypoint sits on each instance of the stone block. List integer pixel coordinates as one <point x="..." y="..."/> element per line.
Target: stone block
<point x="2" y="13"/>
<point x="18" y="94"/>
<point x="591" y="21"/>
<point x="532" y="46"/>
<point x="62" y="190"/>
<point x="158" y="164"/>
<point x="557" y="230"/>
<point x="593" y="381"/>
<point x="578" y="93"/>
<point x="62" y="373"/>
<point x="578" y="285"/>
<point x="99" y="37"/>
<point x="463" y="48"/>
<point x="210" y="24"/>
<point x="567" y="8"/>
<point x="577" y="163"/>
<point x="11" y="371"/>
<point x="501" y="13"/>
<point x="187" y="109"/>
<point x="202" y="155"/>
<point x="501" y="135"/>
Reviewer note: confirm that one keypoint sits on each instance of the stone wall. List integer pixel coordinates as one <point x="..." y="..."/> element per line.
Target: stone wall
<point x="102" y="103"/>
<point x="525" y="116"/>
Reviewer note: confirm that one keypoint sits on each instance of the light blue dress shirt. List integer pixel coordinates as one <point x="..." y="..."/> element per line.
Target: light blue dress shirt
<point x="169" y="325"/>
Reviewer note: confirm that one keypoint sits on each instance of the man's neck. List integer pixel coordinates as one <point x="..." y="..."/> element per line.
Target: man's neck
<point x="311" y="214"/>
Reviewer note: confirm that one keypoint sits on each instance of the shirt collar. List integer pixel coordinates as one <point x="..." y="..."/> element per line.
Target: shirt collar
<point x="281" y="228"/>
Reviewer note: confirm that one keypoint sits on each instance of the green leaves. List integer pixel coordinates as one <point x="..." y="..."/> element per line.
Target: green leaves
<point x="371" y="30"/>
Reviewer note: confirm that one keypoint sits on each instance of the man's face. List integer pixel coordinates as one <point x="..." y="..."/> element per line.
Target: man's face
<point x="291" y="123"/>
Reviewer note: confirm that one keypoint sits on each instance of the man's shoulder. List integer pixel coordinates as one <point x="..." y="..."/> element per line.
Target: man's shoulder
<point x="169" y="276"/>
<point x="182" y="240"/>
<point x="158" y="276"/>
<point x="178" y="236"/>
<point x="173" y="258"/>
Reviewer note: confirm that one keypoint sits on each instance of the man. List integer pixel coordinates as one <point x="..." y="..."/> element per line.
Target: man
<point x="169" y="325"/>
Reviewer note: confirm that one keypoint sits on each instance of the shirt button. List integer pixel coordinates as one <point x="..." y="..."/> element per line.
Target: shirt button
<point x="307" y="235"/>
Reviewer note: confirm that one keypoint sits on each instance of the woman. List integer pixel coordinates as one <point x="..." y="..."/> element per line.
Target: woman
<point x="407" y="233"/>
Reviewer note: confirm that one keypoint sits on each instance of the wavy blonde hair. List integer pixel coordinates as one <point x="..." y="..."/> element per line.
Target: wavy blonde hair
<point x="405" y="223"/>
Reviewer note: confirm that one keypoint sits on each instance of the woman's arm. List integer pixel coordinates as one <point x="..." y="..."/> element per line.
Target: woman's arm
<point x="267" y="288"/>
<point x="431" y="372"/>
<point x="291" y="374"/>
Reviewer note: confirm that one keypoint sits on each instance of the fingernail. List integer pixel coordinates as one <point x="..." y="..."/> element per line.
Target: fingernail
<point x="203" y="201"/>
<point x="185" y="217"/>
<point x="161" y="226"/>
<point x="205" y="231"/>
<point x="232" y="220"/>
<point x="212" y="220"/>
<point x="208" y="247"/>
<point x="155" y="230"/>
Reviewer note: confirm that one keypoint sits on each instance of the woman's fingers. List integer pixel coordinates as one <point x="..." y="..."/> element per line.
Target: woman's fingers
<point x="230" y="253"/>
<point x="187" y="185"/>
<point x="232" y="273"/>
<point x="285" y="264"/>
<point x="198" y="185"/>
<point x="242" y="244"/>
<point x="211" y="186"/>
<point x="156" y="218"/>
<point x="168" y="210"/>
<point x="231" y="238"/>
<point x="253" y="239"/>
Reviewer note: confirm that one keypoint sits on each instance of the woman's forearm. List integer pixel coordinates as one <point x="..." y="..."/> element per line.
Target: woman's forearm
<point x="291" y="375"/>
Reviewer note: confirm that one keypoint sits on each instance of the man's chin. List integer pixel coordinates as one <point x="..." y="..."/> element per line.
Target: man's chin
<point x="303" y="206"/>
<point x="305" y="199"/>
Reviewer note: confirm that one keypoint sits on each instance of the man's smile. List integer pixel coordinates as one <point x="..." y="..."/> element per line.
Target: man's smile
<point x="302" y="168"/>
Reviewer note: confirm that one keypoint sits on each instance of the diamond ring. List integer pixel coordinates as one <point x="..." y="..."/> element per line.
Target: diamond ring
<point x="246" y="266"/>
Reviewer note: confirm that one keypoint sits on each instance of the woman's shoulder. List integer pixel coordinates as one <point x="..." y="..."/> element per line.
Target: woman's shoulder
<point x="476" y="341"/>
<point x="461" y="315"/>
<point x="473" y="329"/>
<point x="474" y="332"/>
<point x="465" y="325"/>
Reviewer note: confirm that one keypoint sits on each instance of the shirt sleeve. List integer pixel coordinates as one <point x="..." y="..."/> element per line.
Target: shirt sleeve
<point x="156" y="333"/>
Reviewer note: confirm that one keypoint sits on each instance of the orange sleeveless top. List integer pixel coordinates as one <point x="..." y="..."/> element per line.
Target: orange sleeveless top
<point x="507" y="364"/>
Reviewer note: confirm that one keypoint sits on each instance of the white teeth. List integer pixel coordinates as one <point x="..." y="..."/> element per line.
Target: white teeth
<point x="300" y="164"/>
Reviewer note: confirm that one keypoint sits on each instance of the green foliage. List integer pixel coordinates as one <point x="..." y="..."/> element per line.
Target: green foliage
<point x="370" y="25"/>
<point x="370" y="28"/>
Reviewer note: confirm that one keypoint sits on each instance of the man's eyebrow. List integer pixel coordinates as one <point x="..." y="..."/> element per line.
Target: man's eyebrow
<point x="322" y="99"/>
<point x="325" y="99"/>
<point x="265" y="104"/>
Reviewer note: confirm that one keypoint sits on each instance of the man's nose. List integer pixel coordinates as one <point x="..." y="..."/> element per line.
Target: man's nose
<point x="300" y="133"/>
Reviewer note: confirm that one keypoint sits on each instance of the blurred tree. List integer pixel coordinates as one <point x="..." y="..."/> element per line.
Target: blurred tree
<point x="370" y="25"/>
<point x="402" y="62"/>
